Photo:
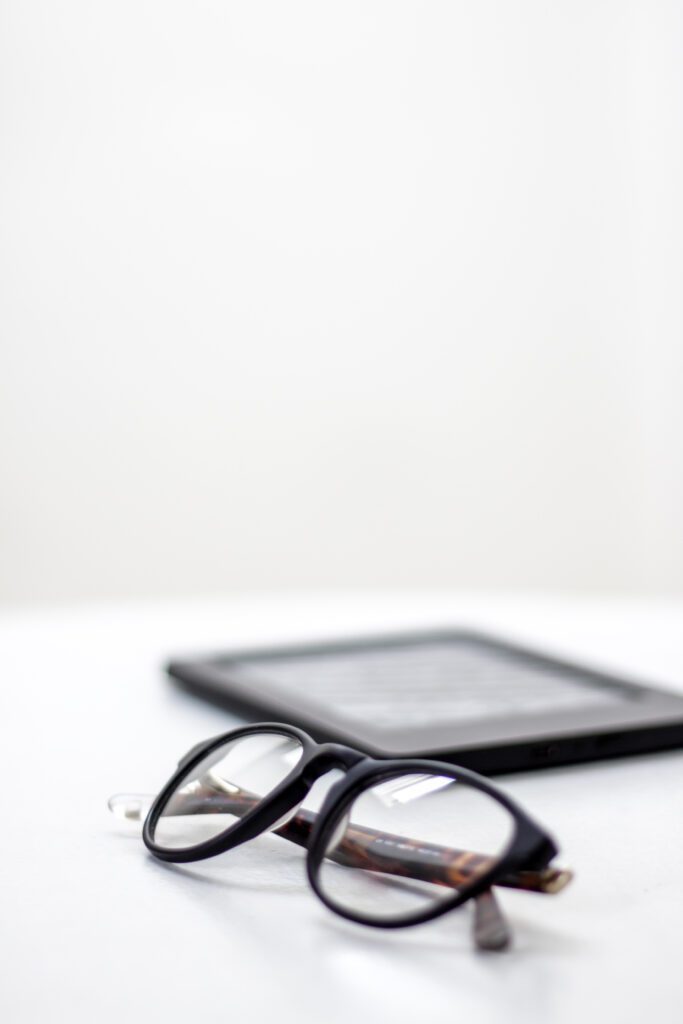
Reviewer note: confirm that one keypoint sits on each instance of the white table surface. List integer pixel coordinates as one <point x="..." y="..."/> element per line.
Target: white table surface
<point x="93" y="929"/>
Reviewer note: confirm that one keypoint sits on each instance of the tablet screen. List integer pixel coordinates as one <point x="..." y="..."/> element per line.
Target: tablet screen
<point x="426" y="683"/>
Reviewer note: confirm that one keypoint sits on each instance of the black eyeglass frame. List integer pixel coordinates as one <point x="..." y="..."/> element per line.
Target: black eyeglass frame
<point x="530" y="847"/>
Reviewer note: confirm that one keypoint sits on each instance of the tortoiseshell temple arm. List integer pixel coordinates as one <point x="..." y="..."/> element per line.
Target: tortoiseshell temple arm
<point x="490" y="930"/>
<point x="379" y="851"/>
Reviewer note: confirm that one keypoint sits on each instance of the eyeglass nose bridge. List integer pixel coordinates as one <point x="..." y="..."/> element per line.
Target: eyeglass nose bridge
<point x="329" y="756"/>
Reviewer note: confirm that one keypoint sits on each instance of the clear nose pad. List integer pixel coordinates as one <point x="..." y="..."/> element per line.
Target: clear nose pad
<point x="130" y="806"/>
<point x="285" y="818"/>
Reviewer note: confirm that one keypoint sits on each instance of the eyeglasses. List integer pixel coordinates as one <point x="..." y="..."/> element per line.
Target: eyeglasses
<point x="395" y="843"/>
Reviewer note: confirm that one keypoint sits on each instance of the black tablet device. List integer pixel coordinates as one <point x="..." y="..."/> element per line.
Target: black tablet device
<point x="453" y="695"/>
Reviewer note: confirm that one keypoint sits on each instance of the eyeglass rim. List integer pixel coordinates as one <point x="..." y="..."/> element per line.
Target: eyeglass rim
<point x="246" y="827"/>
<point x="527" y="838"/>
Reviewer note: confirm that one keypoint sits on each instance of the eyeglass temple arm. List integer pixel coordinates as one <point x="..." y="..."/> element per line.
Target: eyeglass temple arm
<point x="490" y="929"/>
<point x="396" y="855"/>
<point x="376" y="850"/>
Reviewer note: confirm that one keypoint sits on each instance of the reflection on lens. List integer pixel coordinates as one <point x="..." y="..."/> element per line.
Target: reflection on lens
<point x="409" y="842"/>
<point x="224" y="786"/>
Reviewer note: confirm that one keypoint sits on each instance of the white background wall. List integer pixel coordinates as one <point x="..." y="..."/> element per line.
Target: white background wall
<point x="360" y="294"/>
